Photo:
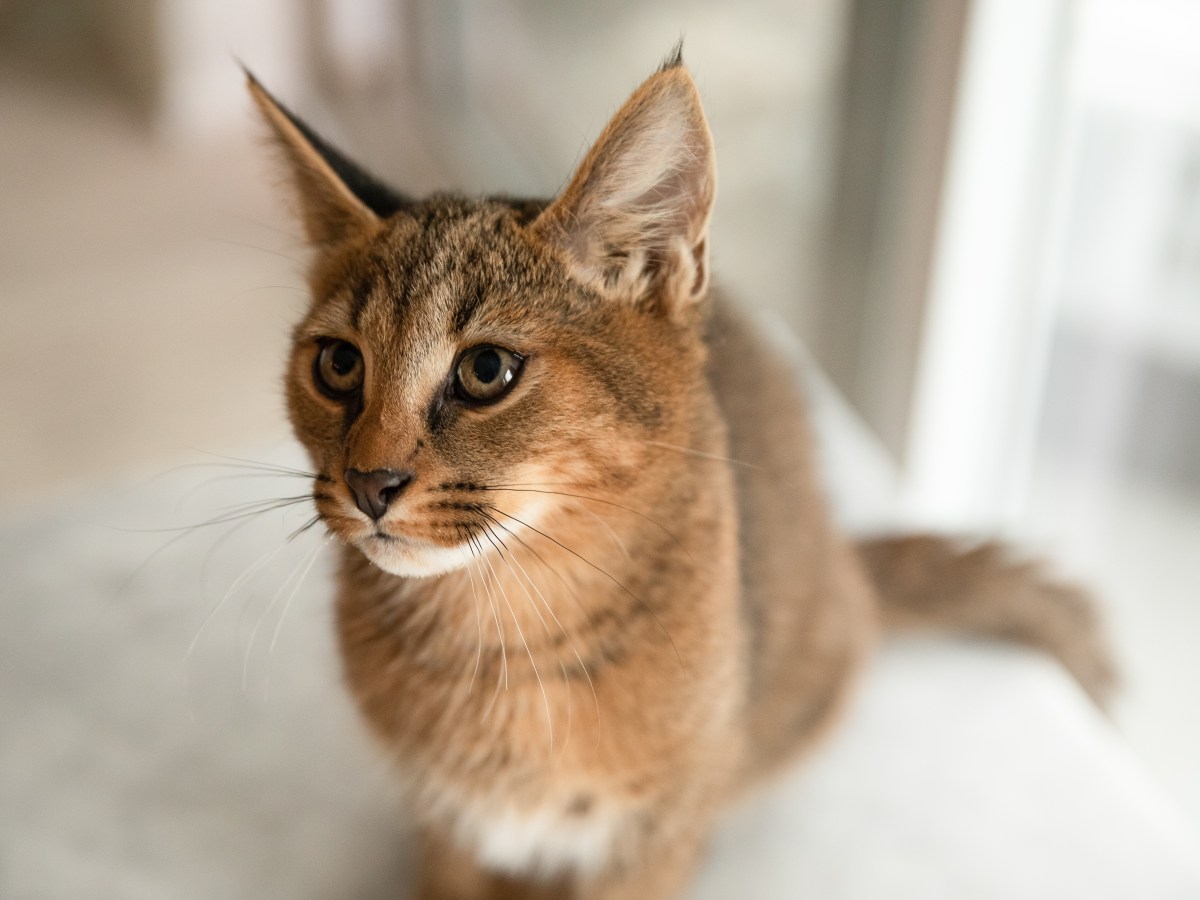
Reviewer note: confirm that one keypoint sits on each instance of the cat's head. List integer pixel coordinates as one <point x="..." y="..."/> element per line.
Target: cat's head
<point x="465" y="365"/>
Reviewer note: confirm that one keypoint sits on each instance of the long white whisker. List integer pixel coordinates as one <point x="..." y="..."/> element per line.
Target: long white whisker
<point x="478" y="623"/>
<point x="584" y="559"/>
<point x="612" y="534"/>
<point x="295" y="590"/>
<point x="247" y="573"/>
<point x="521" y="634"/>
<point x="266" y="612"/>
<point x="540" y="488"/>
<point x="241" y="520"/>
<point x="562" y="667"/>
<point x="252" y="467"/>
<point x="502" y="675"/>
<point x="702" y="455"/>
<point x="209" y="482"/>
<point x="528" y="651"/>
<point x="263" y="507"/>
<point x="582" y="665"/>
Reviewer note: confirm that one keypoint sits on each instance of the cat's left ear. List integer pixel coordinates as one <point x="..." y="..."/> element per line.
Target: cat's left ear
<point x="338" y="198"/>
<point x="633" y="222"/>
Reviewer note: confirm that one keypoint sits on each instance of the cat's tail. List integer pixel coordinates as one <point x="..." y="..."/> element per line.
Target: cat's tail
<point x="932" y="582"/>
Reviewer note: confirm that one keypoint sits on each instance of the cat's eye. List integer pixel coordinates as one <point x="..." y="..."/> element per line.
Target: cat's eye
<point x="486" y="373"/>
<point x="338" y="369"/>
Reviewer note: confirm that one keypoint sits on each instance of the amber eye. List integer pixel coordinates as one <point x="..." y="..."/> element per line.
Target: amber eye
<point x="338" y="369"/>
<point x="486" y="373"/>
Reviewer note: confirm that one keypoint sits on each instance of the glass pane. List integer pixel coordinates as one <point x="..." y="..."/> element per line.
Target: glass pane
<point x="1117" y="479"/>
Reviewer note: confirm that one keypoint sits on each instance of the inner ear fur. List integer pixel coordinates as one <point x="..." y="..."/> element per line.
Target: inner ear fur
<point x="633" y="221"/>
<point x="337" y="197"/>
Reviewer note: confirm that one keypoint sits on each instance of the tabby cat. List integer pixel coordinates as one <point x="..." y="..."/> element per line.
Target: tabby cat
<point x="588" y="587"/>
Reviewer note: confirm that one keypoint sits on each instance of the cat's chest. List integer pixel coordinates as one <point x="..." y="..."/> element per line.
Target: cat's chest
<point x="517" y="806"/>
<point x="559" y="816"/>
<point x="552" y="838"/>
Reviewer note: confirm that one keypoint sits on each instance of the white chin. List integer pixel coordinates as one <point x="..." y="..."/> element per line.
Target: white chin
<point x="412" y="561"/>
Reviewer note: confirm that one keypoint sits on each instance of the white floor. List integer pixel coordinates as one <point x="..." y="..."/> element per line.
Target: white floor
<point x="1138" y="546"/>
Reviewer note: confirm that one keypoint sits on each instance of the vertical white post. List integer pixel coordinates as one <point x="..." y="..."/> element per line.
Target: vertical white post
<point x="973" y="411"/>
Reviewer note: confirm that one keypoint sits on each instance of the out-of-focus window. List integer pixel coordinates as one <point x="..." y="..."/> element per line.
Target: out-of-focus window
<point x="1116" y="480"/>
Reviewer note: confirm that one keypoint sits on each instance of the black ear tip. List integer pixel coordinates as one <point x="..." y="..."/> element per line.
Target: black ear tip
<point x="264" y="97"/>
<point x="674" y="59"/>
<point x="253" y="85"/>
<point x="251" y="81"/>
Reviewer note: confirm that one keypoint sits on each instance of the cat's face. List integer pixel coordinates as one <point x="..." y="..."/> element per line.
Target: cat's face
<point x="452" y="349"/>
<point x="466" y="366"/>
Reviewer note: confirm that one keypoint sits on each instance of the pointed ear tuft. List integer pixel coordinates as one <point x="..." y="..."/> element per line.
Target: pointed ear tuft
<point x="633" y="222"/>
<point x="674" y="59"/>
<point x="337" y="196"/>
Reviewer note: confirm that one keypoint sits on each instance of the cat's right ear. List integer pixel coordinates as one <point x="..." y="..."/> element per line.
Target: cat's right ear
<point x="633" y="221"/>
<point x="338" y="198"/>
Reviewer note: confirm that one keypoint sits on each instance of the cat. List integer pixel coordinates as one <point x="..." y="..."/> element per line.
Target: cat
<point x="588" y="588"/>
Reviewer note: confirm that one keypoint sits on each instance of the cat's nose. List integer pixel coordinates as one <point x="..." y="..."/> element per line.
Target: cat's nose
<point x="374" y="491"/>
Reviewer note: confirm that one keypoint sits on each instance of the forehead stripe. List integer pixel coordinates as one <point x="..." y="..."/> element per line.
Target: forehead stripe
<point x="466" y="308"/>
<point x="359" y="297"/>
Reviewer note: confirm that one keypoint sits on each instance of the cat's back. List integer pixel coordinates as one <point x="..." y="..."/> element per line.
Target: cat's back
<point x="806" y="604"/>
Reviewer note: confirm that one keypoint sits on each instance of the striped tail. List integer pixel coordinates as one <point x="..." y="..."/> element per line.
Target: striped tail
<point x="936" y="583"/>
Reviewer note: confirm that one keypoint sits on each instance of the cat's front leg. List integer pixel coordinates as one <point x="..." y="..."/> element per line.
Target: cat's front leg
<point x="658" y="865"/>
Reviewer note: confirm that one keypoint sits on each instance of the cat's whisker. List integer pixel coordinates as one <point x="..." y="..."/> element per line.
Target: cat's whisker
<point x="700" y="454"/>
<point x="571" y="592"/>
<point x="499" y="544"/>
<point x="228" y="462"/>
<point x="603" y="572"/>
<point x="266" y="612"/>
<point x="478" y="623"/>
<point x="503" y="596"/>
<point x="566" y="584"/>
<point x="234" y="476"/>
<point x="608" y="529"/>
<point x="295" y="590"/>
<point x="163" y="547"/>
<point x="501" y="670"/>
<point x="536" y="488"/>
<point x="303" y="528"/>
<point x="312" y="558"/>
<point x="267" y="250"/>
<point x="502" y="675"/>
<point x="216" y="545"/>
<point x="246" y="574"/>
<point x="258" y="223"/>
<point x="566" y="635"/>
<point x="511" y="558"/>
<point x="248" y="505"/>
<point x="265" y="506"/>
<point x="256" y="464"/>
<point x="241" y="519"/>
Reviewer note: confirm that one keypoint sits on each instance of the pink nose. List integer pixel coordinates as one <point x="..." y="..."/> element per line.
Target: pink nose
<point x="374" y="491"/>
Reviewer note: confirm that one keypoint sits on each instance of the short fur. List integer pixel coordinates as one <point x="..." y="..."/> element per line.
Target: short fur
<point x="613" y="598"/>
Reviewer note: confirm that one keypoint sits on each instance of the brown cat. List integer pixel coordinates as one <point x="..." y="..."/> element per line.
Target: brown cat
<point x="588" y="587"/>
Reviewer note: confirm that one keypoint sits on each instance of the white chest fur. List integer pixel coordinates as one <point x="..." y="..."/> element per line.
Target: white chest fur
<point x="547" y="840"/>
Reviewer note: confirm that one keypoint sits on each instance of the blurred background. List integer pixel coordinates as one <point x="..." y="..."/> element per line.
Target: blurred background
<point x="982" y="218"/>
